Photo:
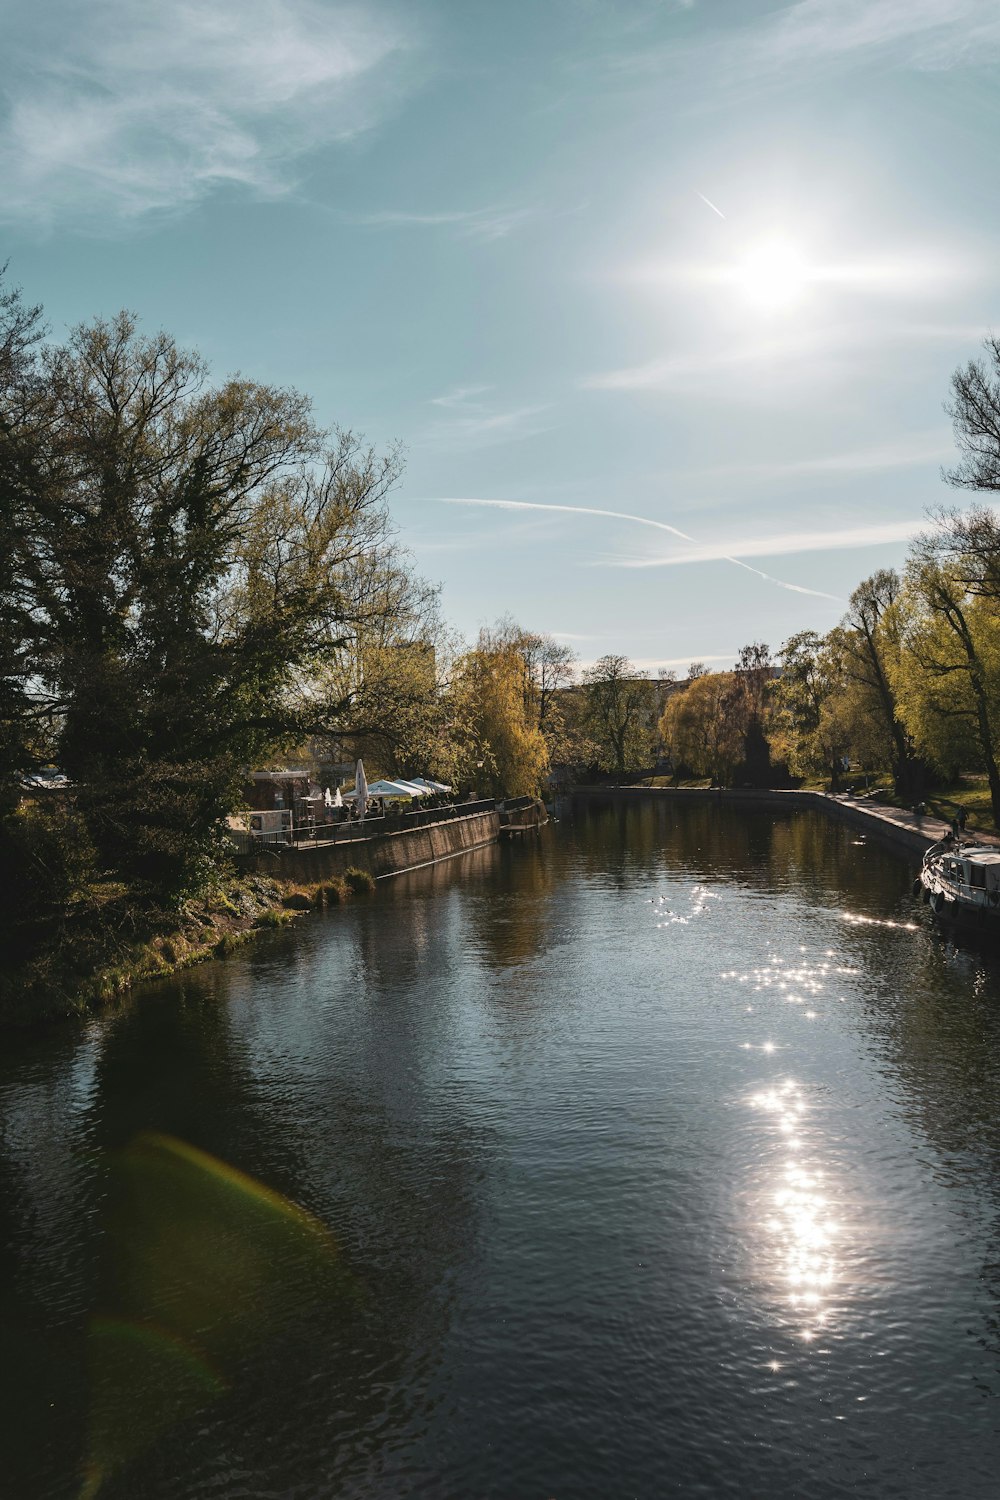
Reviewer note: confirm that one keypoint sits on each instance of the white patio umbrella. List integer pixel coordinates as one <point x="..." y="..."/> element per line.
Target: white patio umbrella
<point x="361" y="788"/>
<point x="338" y="800"/>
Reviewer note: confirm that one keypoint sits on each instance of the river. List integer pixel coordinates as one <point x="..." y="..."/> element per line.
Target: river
<point x="661" y="1153"/>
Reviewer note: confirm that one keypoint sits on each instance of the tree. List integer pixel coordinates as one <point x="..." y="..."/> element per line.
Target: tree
<point x="813" y="729"/>
<point x="749" y="706"/>
<point x="800" y="697"/>
<point x="498" y="745"/>
<point x="21" y="736"/>
<point x="949" y="674"/>
<point x="975" y="412"/>
<point x="551" y="667"/>
<point x="620" y="706"/>
<point x="188" y="557"/>
<point x="869" y="645"/>
<point x="698" y="727"/>
<point x="386" y="669"/>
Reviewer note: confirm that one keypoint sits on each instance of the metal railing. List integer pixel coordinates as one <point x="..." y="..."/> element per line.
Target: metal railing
<point x="515" y="804"/>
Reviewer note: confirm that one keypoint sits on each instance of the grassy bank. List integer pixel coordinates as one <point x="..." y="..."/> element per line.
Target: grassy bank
<point x="102" y="946"/>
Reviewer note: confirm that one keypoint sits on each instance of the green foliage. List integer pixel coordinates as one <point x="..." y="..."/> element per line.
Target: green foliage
<point x="948" y="676"/>
<point x="297" y="901"/>
<point x="498" y="747"/>
<point x="620" y="712"/>
<point x="188" y="556"/>
<point x="359" y="882"/>
<point x="46" y="865"/>
<point x="868" y="644"/>
<point x="698" y="728"/>
<point x="21" y="727"/>
<point x="277" y="917"/>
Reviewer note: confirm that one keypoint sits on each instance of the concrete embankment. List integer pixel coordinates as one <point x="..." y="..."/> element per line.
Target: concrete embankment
<point x="908" y="832"/>
<point x="381" y="853"/>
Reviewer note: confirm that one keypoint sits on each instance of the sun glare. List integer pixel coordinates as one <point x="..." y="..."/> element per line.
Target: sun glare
<point x="773" y="275"/>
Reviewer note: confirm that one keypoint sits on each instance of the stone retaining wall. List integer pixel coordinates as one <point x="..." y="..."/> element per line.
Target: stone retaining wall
<point x="383" y="854"/>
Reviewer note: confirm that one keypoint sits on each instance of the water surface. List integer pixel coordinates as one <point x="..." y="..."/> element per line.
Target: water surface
<point x="662" y="1154"/>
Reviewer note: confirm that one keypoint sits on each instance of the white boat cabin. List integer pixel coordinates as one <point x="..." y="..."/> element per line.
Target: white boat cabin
<point x="975" y="868"/>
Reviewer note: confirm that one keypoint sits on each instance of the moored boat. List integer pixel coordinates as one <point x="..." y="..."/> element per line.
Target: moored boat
<point x="961" y="884"/>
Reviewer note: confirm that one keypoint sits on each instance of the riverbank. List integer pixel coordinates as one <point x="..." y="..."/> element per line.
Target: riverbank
<point x="908" y="832"/>
<point x="104" y="947"/>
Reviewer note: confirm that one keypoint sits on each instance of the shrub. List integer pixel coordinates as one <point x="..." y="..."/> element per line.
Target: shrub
<point x="275" y="918"/>
<point x="48" y="862"/>
<point x="360" y="882"/>
<point x="297" y="901"/>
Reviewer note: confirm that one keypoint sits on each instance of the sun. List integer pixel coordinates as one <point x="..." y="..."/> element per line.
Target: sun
<point x="773" y="275"/>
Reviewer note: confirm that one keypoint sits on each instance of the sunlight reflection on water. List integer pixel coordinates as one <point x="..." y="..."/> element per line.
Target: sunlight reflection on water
<point x="699" y="899"/>
<point x="793" y="1234"/>
<point x="799" y="1228"/>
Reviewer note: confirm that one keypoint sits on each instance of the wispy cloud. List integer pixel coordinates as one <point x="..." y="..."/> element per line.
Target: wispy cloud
<point x="115" y="111"/>
<point x="907" y="452"/>
<point x="796" y="40"/>
<point x="484" y="224"/>
<point x="788" y="356"/>
<point x="844" y="538"/>
<point x="461" y="396"/>
<point x="473" y="423"/>
<point x="621" y="515"/>
<point x="925" y="33"/>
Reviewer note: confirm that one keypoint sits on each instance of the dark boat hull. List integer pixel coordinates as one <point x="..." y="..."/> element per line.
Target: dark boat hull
<point x="960" y="919"/>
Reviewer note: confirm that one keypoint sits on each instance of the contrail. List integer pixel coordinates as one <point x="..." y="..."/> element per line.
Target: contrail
<point x="710" y="204"/>
<point x="624" y="515"/>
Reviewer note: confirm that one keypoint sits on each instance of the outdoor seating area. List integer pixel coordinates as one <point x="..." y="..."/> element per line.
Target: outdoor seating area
<point x="318" y="815"/>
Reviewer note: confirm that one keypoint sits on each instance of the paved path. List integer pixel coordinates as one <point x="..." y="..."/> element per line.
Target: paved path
<point x="916" y="828"/>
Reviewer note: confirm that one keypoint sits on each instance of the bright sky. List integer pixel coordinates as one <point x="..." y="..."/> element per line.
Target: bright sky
<point x="642" y="288"/>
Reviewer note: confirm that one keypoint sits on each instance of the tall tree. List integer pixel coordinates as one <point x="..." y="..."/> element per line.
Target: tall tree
<point x="950" y="671"/>
<point x="620" y="709"/>
<point x="186" y="554"/>
<point x="21" y="736"/>
<point x="698" y="725"/>
<point x="869" y="644"/>
<point x="975" y="412"/>
<point x="499" y="746"/>
<point x="813" y="720"/>
<point x="752" y="681"/>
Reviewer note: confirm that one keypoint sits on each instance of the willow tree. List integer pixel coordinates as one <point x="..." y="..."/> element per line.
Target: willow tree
<point x="498" y="746"/>
<point x="182" y="556"/>
<point x="698" y="725"/>
<point x="548" y="668"/>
